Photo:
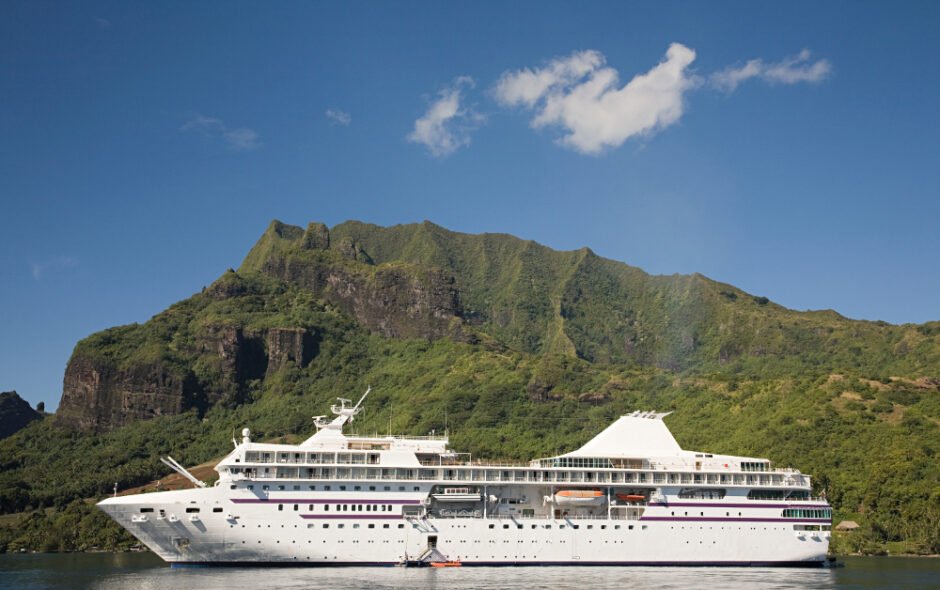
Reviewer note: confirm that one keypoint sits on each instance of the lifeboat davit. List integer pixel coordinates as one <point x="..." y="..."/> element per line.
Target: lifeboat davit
<point x="631" y="498"/>
<point x="580" y="497"/>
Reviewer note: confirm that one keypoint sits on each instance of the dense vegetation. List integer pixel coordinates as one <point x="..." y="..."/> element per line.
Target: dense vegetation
<point x="565" y="343"/>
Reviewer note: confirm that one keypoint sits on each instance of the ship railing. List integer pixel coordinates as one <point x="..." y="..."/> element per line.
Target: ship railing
<point x="404" y="437"/>
<point x="483" y="474"/>
<point x="478" y="464"/>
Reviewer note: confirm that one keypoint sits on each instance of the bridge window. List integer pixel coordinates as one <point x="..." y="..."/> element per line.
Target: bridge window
<point x="754" y="466"/>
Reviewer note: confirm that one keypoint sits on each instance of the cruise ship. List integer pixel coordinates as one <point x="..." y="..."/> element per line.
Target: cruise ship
<point x="630" y="496"/>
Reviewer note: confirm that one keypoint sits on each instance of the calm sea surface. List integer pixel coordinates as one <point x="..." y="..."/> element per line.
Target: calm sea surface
<point x="146" y="572"/>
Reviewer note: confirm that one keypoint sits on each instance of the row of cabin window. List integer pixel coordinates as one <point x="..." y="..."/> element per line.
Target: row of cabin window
<point x="563" y="476"/>
<point x="326" y="488"/>
<point x="614" y="477"/>
<point x="314" y="458"/>
<point x="345" y="507"/>
<point x="189" y="510"/>
<point x="326" y="525"/>
<point x="561" y="526"/>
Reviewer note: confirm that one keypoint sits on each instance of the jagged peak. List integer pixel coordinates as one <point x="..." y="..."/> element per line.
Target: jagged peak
<point x="284" y="230"/>
<point x="316" y="237"/>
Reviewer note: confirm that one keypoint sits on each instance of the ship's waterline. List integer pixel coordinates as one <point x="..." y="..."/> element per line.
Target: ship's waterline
<point x="630" y="496"/>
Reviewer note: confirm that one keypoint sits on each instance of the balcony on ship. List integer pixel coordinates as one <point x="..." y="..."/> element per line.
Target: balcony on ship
<point x="365" y="466"/>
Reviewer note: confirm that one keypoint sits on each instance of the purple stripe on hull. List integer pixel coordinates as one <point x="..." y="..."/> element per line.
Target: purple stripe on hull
<point x="782" y="504"/>
<point x="724" y="519"/>
<point x="318" y="501"/>
<point x="351" y="516"/>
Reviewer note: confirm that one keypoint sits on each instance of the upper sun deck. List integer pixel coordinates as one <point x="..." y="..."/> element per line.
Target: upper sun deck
<point x="640" y="441"/>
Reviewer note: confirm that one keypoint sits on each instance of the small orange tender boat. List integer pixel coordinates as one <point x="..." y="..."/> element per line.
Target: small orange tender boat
<point x="631" y="497"/>
<point x="446" y="564"/>
<point x="580" y="493"/>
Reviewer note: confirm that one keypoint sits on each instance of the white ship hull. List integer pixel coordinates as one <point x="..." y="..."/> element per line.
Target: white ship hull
<point x="263" y="535"/>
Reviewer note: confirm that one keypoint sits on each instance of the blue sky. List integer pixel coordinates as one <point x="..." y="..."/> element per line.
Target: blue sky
<point x="790" y="149"/>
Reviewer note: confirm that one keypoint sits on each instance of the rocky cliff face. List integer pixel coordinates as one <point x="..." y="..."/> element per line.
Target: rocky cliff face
<point x="101" y="395"/>
<point x="15" y="413"/>
<point x="97" y="395"/>
<point x="392" y="300"/>
<point x="395" y="302"/>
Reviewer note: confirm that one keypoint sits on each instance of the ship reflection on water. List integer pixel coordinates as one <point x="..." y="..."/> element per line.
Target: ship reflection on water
<point x="145" y="571"/>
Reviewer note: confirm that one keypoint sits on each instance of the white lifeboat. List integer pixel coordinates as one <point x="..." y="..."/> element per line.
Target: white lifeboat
<point x="458" y="495"/>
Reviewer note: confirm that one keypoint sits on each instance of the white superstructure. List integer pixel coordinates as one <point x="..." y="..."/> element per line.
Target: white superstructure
<point x="630" y="496"/>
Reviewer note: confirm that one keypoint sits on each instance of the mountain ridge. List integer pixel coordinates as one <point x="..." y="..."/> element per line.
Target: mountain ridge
<point x="424" y="281"/>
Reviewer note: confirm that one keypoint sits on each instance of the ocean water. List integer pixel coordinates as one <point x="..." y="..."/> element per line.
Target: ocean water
<point x="135" y="571"/>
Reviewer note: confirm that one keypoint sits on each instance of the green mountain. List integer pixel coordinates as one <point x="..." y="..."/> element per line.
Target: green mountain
<point x="15" y="413"/>
<point x="516" y="349"/>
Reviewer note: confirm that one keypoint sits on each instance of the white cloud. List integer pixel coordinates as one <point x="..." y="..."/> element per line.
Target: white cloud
<point x="240" y="138"/>
<point x="446" y="126"/>
<point x="526" y="87"/>
<point x="581" y="95"/>
<point x="789" y="70"/>
<point x="339" y="117"/>
<point x="39" y="269"/>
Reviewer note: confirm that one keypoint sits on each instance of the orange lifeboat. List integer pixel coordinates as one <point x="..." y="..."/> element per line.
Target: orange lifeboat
<point x="579" y="497"/>
<point x="446" y="564"/>
<point x="632" y="498"/>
